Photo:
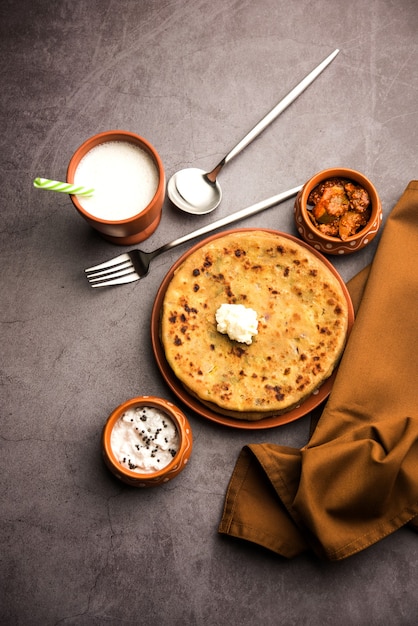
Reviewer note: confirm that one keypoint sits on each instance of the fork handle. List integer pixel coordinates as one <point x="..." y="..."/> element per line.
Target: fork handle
<point x="229" y="219"/>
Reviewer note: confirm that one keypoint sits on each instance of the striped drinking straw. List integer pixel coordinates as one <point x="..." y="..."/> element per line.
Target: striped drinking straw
<point x="56" y="185"/>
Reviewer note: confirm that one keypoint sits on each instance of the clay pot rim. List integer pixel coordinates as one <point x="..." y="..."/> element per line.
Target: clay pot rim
<point x="105" y="137"/>
<point x="159" y="403"/>
<point x="343" y="173"/>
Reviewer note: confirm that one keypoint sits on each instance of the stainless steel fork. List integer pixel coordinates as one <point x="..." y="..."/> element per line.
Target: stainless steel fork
<point x="134" y="265"/>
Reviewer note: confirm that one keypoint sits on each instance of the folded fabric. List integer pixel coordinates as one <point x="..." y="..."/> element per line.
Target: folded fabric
<point x="356" y="481"/>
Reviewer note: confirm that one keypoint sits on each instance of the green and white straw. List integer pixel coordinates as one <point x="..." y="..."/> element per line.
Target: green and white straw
<point x="56" y="185"/>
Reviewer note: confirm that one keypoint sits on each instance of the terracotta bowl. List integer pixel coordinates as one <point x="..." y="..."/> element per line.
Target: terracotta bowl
<point x="176" y="464"/>
<point x="140" y="226"/>
<point x="334" y="245"/>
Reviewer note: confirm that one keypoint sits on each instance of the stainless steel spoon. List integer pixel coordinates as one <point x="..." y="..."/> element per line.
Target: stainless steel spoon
<point x="195" y="191"/>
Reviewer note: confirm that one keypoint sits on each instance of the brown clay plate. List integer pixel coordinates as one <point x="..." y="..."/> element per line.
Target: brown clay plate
<point x="193" y="403"/>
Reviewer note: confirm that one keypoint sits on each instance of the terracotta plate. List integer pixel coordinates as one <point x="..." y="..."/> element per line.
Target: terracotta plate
<point x="193" y="403"/>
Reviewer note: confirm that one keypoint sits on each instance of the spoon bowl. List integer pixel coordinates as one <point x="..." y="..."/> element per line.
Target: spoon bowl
<point x="191" y="191"/>
<point x="195" y="191"/>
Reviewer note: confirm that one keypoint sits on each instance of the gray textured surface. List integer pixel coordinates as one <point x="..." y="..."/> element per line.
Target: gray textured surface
<point x="77" y="547"/>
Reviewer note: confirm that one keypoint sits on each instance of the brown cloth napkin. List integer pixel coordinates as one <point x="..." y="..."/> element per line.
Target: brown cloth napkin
<point x="356" y="481"/>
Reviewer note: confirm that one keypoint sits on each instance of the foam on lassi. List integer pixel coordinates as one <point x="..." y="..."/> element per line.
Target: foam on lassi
<point x="124" y="178"/>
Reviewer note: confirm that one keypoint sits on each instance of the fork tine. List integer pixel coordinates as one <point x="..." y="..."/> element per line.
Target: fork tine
<point x="127" y="265"/>
<point x="119" y="259"/>
<point x="97" y="279"/>
<point x="99" y="276"/>
<point x="117" y="271"/>
<point x="127" y="278"/>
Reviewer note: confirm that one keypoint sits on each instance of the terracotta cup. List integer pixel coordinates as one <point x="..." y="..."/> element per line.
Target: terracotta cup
<point x="334" y="245"/>
<point x="168" y="472"/>
<point x="135" y="228"/>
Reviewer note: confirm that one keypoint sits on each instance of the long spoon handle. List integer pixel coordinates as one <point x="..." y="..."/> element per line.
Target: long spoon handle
<point x="229" y="219"/>
<point x="275" y="112"/>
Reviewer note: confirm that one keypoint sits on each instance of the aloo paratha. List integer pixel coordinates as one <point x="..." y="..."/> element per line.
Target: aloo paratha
<point x="302" y="324"/>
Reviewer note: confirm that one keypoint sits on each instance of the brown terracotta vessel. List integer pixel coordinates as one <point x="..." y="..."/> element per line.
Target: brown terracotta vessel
<point x="134" y="229"/>
<point x="334" y="245"/>
<point x="168" y="472"/>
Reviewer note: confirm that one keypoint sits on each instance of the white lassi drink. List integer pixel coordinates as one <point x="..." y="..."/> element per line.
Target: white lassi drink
<point x="124" y="178"/>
